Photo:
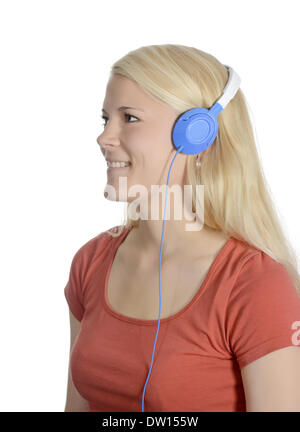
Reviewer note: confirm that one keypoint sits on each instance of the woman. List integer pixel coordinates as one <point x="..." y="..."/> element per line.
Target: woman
<point x="230" y="306"/>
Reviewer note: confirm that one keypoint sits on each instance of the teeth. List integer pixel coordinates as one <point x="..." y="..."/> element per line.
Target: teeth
<point x="118" y="164"/>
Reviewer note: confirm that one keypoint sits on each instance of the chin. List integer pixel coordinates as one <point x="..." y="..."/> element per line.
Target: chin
<point x="110" y="197"/>
<point x="112" y="193"/>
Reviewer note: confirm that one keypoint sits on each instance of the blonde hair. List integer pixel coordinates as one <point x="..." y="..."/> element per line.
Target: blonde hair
<point x="236" y="198"/>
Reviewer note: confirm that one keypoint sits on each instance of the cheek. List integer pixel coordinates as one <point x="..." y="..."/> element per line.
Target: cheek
<point x="150" y="148"/>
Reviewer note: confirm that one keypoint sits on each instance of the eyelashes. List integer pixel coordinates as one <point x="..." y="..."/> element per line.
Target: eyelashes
<point x="125" y="115"/>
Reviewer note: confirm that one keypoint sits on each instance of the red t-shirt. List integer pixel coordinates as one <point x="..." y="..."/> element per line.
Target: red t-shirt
<point x="244" y="309"/>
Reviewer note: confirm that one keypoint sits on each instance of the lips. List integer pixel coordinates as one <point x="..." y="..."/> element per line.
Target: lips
<point x="116" y="160"/>
<point x="118" y="169"/>
<point x="116" y="164"/>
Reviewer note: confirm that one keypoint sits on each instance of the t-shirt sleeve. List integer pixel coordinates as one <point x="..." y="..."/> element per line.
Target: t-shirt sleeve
<point x="263" y="310"/>
<point x="73" y="289"/>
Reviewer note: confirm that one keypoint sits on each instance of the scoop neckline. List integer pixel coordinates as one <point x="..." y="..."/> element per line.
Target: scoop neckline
<point x="152" y="322"/>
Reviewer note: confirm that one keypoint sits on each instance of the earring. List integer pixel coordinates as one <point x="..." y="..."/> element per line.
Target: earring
<point x="198" y="163"/>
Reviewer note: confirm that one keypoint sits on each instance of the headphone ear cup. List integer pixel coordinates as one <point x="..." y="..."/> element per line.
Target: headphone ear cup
<point x="195" y="130"/>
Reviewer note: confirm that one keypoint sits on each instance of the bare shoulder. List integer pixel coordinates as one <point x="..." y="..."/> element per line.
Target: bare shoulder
<point x="211" y="244"/>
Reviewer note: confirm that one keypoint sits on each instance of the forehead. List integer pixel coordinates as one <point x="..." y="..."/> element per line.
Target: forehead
<point x="121" y="90"/>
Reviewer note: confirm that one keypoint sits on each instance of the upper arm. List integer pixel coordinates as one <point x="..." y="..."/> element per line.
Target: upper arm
<point x="74" y="400"/>
<point x="272" y="382"/>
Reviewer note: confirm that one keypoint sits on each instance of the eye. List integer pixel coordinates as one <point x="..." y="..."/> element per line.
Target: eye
<point x="125" y="115"/>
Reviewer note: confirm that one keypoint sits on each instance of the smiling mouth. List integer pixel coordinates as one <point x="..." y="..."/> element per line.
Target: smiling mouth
<point x="112" y="169"/>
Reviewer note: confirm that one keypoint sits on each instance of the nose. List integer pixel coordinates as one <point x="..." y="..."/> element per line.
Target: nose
<point x="106" y="141"/>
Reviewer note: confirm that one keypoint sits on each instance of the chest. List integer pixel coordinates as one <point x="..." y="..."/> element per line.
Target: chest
<point x="134" y="292"/>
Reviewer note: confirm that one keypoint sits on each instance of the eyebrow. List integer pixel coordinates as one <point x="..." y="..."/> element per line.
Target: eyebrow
<point x="121" y="108"/>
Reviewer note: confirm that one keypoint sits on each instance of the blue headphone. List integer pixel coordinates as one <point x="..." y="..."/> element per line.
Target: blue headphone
<point x="194" y="131"/>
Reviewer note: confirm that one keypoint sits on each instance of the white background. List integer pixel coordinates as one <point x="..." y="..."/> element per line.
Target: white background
<point x="55" y="61"/>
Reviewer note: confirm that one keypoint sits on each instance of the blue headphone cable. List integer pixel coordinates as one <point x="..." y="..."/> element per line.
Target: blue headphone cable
<point x="163" y="229"/>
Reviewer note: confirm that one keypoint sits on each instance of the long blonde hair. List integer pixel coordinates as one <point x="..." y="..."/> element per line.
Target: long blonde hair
<point x="236" y="199"/>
